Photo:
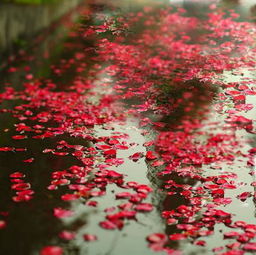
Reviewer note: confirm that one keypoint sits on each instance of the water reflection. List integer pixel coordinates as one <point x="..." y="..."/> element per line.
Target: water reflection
<point x="36" y="57"/>
<point x="189" y="100"/>
<point x="192" y="100"/>
<point x="32" y="225"/>
<point x="246" y="8"/>
<point x="186" y="100"/>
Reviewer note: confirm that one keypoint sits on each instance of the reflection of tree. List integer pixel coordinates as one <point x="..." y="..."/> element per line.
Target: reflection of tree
<point x="190" y="99"/>
<point x="123" y="6"/>
<point x="31" y="225"/>
<point x="195" y="9"/>
<point x="231" y="1"/>
<point x="252" y="158"/>
<point x="193" y="107"/>
<point x="230" y="4"/>
<point x="187" y="100"/>
<point x="38" y="52"/>
<point x="253" y="12"/>
<point x="247" y="11"/>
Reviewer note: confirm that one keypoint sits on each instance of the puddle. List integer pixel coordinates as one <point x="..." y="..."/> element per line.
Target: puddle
<point x="132" y="238"/>
<point x="79" y="72"/>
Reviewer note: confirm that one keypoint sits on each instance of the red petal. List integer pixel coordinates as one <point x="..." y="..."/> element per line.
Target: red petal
<point x="250" y="247"/>
<point x="2" y="224"/>
<point x="157" y="237"/>
<point x="62" y="213"/>
<point x="67" y="235"/>
<point x="7" y="149"/>
<point x="231" y="234"/>
<point x="51" y="250"/>
<point x="69" y="197"/>
<point x="28" y="160"/>
<point x="136" y="156"/>
<point x="123" y="195"/>
<point x="177" y="237"/>
<point x="150" y="155"/>
<point x="90" y="238"/>
<point x="144" y="207"/>
<point x="112" y="224"/>
<point x="200" y="242"/>
<point x="19" y="137"/>
<point x="243" y="196"/>
<point x="111" y="153"/>
<point x="17" y="175"/>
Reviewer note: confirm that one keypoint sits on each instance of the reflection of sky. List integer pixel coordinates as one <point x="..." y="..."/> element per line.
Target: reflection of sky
<point x="244" y="211"/>
<point x="241" y="210"/>
<point x="120" y="242"/>
<point x="244" y="4"/>
<point x="251" y="99"/>
<point x="243" y="7"/>
<point x="117" y="242"/>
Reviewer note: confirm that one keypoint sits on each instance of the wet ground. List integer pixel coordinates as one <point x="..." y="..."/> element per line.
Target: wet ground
<point x="132" y="131"/>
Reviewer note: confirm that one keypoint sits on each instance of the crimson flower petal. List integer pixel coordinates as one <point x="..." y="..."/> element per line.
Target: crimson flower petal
<point x="51" y="250"/>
